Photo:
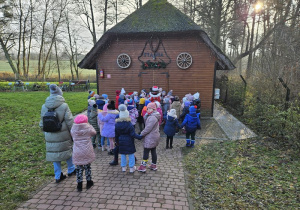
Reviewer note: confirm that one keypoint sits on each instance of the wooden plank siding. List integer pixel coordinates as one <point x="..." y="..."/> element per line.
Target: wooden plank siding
<point x="198" y="78"/>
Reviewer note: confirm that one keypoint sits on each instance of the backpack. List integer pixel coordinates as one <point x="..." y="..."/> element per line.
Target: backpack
<point x="51" y="122"/>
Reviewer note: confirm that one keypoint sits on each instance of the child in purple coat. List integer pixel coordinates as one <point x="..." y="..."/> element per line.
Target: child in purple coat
<point x="108" y="129"/>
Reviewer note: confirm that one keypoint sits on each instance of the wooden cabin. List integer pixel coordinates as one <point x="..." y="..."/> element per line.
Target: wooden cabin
<point x="157" y="45"/>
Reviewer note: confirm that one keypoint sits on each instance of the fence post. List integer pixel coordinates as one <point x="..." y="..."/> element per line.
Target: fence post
<point x="288" y="91"/>
<point x="244" y="95"/>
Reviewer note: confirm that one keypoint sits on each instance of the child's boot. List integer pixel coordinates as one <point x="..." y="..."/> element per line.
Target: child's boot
<point x="132" y="170"/>
<point x="188" y="143"/>
<point x="89" y="184"/>
<point x="103" y="148"/>
<point x="123" y="169"/>
<point x="167" y="144"/>
<point x="153" y="167"/>
<point x="111" y="152"/>
<point x="142" y="167"/>
<point x="79" y="186"/>
<point x="114" y="162"/>
<point x="192" y="143"/>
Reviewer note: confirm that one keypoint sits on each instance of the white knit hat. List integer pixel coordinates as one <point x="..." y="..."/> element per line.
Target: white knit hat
<point x="91" y="102"/>
<point x="172" y="113"/>
<point x="123" y="111"/>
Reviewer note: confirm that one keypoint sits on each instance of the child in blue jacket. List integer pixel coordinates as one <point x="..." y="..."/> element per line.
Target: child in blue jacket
<point x="170" y="127"/>
<point x="191" y="123"/>
<point x="125" y="135"/>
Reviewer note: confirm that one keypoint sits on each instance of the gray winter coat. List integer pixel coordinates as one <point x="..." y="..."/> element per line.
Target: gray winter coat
<point x="151" y="131"/>
<point x="58" y="144"/>
<point x="177" y="106"/>
<point x="93" y="118"/>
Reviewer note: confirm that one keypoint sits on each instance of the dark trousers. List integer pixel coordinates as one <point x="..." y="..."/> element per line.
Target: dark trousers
<point x="141" y="125"/>
<point x="153" y="154"/>
<point x="170" y="139"/>
<point x="192" y="134"/>
<point x="116" y="153"/>
<point x="79" y="172"/>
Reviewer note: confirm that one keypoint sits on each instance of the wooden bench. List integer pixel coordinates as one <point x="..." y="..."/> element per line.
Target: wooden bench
<point x="79" y="84"/>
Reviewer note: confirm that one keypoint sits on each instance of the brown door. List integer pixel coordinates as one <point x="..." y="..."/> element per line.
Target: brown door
<point x="154" y="77"/>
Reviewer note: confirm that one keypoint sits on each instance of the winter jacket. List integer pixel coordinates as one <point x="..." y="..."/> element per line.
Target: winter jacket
<point x="93" y="119"/>
<point x="121" y="101"/>
<point x="125" y="135"/>
<point x="151" y="130"/>
<point x="133" y="114"/>
<point x="166" y="106"/>
<point x="185" y="111"/>
<point x="108" y="129"/>
<point x="100" y="103"/>
<point x="144" y="111"/>
<point x="140" y="118"/>
<point x="171" y="125"/>
<point x="161" y="115"/>
<point x="177" y="106"/>
<point x="191" y="122"/>
<point x="83" y="151"/>
<point x="117" y="102"/>
<point x="58" y="144"/>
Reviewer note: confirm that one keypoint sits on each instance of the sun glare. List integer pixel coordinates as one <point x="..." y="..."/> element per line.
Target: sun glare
<point x="258" y="6"/>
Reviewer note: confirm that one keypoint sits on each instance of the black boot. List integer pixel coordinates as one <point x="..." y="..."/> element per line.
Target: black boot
<point x="111" y="152"/>
<point x="114" y="162"/>
<point x="167" y="143"/>
<point x="79" y="186"/>
<point x="62" y="177"/>
<point x="89" y="184"/>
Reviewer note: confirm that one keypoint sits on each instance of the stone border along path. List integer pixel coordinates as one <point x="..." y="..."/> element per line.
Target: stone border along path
<point x="162" y="189"/>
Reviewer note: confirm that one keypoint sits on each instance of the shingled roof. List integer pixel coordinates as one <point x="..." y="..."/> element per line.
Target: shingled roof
<point x="155" y="17"/>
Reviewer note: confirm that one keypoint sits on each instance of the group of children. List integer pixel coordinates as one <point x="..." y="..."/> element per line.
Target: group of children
<point x="116" y="122"/>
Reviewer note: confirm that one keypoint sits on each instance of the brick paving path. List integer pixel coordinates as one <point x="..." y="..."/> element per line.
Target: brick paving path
<point x="114" y="189"/>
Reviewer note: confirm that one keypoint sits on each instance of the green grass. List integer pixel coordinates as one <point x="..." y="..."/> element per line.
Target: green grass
<point x="64" y="69"/>
<point x="22" y="144"/>
<point x="247" y="174"/>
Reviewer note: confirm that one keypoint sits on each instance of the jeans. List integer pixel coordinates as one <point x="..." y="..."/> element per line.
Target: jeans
<point x="103" y="141"/>
<point x="57" y="167"/>
<point x="192" y="134"/>
<point x="98" y="138"/>
<point x="153" y="154"/>
<point x="124" y="160"/>
<point x="88" y="172"/>
<point x="111" y="143"/>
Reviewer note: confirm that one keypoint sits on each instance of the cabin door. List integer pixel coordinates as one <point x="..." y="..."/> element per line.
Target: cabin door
<point x="154" y="77"/>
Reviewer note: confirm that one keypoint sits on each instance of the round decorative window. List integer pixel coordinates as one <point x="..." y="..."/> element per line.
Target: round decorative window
<point x="123" y="61"/>
<point x="184" y="60"/>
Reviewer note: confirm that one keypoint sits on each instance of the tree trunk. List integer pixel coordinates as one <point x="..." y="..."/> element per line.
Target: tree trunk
<point x="249" y="65"/>
<point x="57" y="61"/>
<point x="7" y="55"/>
<point x="93" y="22"/>
<point x="30" y="37"/>
<point x="20" y="37"/>
<point x="105" y="16"/>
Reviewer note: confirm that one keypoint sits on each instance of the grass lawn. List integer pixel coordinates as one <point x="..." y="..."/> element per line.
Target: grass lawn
<point x="64" y="69"/>
<point x="246" y="174"/>
<point x="22" y="144"/>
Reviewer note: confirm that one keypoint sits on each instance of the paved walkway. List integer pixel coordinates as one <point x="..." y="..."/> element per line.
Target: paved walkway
<point x="232" y="127"/>
<point x="162" y="189"/>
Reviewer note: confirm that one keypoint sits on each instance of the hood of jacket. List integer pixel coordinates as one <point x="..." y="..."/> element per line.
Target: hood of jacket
<point x="127" y="119"/>
<point x="80" y="129"/>
<point x="113" y="112"/>
<point x="154" y="114"/>
<point x="54" y="101"/>
<point x="169" y="118"/>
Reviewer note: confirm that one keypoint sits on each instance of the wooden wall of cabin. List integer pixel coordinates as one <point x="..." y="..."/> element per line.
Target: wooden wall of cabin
<point x="197" y="78"/>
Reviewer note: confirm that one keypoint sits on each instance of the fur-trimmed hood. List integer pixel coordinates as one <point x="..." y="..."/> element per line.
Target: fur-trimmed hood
<point x="127" y="119"/>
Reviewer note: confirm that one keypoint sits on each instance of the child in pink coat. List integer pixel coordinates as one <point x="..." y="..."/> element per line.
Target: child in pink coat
<point x="83" y="151"/>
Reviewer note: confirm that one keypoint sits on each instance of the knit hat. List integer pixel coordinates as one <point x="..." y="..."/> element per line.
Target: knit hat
<point x="147" y="102"/>
<point x="105" y="107"/>
<point x="172" y="113"/>
<point x="192" y="110"/>
<point x="96" y="96"/>
<point x="92" y="93"/>
<point x="111" y="106"/>
<point x="142" y="101"/>
<point x="91" y="102"/>
<point x="81" y="118"/>
<point x="176" y="98"/>
<point x="118" y="92"/>
<point x="152" y="105"/>
<point x="105" y="96"/>
<point x="55" y="90"/>
<point x="155" y="88"/>
<point x="122" y="96"/>
<point x="187" y="103"/>
<point x="129" y="101"/>
<point x="101" y="97"/>
<point x="191" y="98"/>
<point x="123" y="111"/>
<point x="123" y="91"/>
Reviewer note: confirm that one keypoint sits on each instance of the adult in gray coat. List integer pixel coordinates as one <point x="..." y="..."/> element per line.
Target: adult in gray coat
<point x="59" y="144"/>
